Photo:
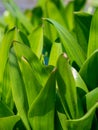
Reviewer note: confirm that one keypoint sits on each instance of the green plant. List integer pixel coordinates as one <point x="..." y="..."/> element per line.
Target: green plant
<point x="48" y="67"/>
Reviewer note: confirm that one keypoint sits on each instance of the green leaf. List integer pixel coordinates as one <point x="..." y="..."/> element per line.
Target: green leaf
<point x="78" y="4"/>
<point x="36" y="41"/>
<point x="15" y="11"/>
<point x="70" y="44"/>
<point x="67" y="88"/>
<point x="18" y="89"/>
<point x="83" y="123"/>
<point x="40" y="71"/>
<point x="79" y="82"/>
<point x="7" y="118"/>
<point x="89" y="71"/>
<point x="93" y="37"/>
<point x="82" y="29"/>
<point x="56" y="50"/>
<point x="91" y="98"/>
<point x="69" y="15"/>
<point x="41" y="113"/>
<point x="32" y="85"/>
<point x="4" y="50"/>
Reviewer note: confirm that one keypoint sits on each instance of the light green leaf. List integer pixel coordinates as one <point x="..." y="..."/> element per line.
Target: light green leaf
<point x="18" y="89"/>
<point x="79" y="82"/>
<point x="83" y="123"/>
<point x="41" y="113"/>
<point x="70" y="44"/>
<point x="89" y="71"/>
<point x="36" y="41"/>
<point x="32" y="85"/>
<point x="4" y="50"/>
<point x="15" y="11"/>
<point x="69" y="15"/>
<point x="56" y="50"/>
<point x="67" y="88"/>
<point x="93" y="37"/>
<point x="40" y="71"/>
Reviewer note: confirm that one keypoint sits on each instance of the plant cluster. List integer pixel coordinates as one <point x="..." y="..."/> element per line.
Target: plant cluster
<point x="49" y="67"/>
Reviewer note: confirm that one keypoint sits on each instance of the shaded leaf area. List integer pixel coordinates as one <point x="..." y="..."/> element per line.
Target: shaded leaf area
<point x="89" y="71"/>
<point x="93" y="39"/>
<point x="7" y="117"/>
<point x="82" y="29"/>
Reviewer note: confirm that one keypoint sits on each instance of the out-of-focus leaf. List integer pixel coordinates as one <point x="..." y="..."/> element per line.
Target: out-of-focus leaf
<point x="83" y="123"/>
<point x="7" y="118"/>
<point x="36" y="41"/>
<point x="67" y="88"/>
<point x="78" y="4"/>
<point x="70" y="44"/>
<point x="6" y="44"/>
<point x="15" y="11"/>
<point x="18" y="89"/>
<point x="41" y="113"/>
<point x="89" y="71"/>
<point x="93" y="38"/>
<point x="56" y="50"/>
<point x="82" y="28"/>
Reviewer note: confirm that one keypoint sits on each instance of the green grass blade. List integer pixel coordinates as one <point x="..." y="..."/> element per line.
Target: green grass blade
<point x="41" y="113"/>
<point x="70" y="44"/>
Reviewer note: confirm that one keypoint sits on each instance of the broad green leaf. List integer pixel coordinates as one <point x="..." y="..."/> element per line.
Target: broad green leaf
<point x="83" y="123"/>
<point x="32" y="85"/>
<point x="56" y="51"/>
<point x="82" y="29"/>
<point x="89" y="71"/>
<point x="7" y="118"/>
<point x="18" y="89"/>
<point x="67" y="88"/>
<point x="4" y="50"/>
<point x="4" y="110"/>
<point x="41" y="113"/>
<point x="36" y="41"/>
<point x="8" y="123"/>
<point x="91" y="98"/>
<point x="70" y="44"/>
<point x="15" y="11"/>
<point x="69" y="15"/>
<point x="93" y="37"/>
<point x="40" y="71"/>
<point x="6" y="89"/>
<point x="79" y="82"/>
